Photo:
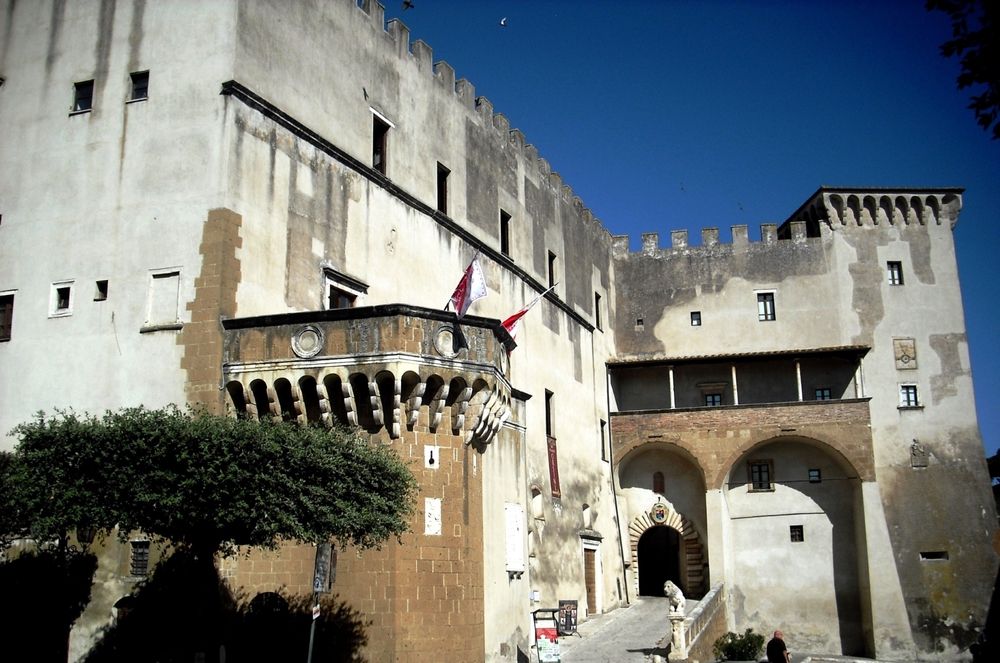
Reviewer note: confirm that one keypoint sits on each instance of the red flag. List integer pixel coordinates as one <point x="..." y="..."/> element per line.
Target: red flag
<point x="513" y="322"/>
<point x="470" y="288"/>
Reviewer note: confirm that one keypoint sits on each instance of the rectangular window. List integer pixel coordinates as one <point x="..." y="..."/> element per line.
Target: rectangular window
<point x="796" y="533"/>
<point x="814" y="476"/>
<point x="712" y="400"/>
<point x="934" y="554"/>
<point x="696" y="318"/>
<point x="548" y="413"/>
<point x="908" y="396"/>
<point x="83" y="96"/>
<point x="505" y="233"/>
<point x="552" y="269"/>
<point x="765" y="306"/>
<point x="604" y="443"/>
<point x="337" y="298"/>
<point x="442" y="188"/>
<point x="162" y="305"/>
<point x="6" y="316"/>
<point x="761" y="475"/>
<point x="140" y="85"/>
<point x="823" y="394"/>
<point x="895" y="270"/>
<point x="139" y="563"/>
<point x="597" y="311"/>
<point x="100" y="291"/>
<point x="340" y="290"/>
<point x="380" y="144"/>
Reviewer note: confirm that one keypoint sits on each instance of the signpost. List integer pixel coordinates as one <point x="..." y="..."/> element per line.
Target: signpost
<point x="547" y="635"/>
<point x="326" y="559"/>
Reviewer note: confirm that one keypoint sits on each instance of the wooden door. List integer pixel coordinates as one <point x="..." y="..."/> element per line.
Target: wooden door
<point x="590" y="577"/>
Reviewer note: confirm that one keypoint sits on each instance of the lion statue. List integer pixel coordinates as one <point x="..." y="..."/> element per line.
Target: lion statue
<point x="676" y="596"/>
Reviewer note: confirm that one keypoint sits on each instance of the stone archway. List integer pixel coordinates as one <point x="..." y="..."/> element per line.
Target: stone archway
<point x="691" y="548"/>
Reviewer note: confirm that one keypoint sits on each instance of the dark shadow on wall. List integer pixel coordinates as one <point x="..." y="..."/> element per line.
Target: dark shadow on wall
<point x="186" y="612"/>
<point x="41" y="594"/>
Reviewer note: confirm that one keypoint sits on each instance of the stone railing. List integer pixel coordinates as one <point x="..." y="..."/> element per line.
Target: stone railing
<point x="686" y="631"/>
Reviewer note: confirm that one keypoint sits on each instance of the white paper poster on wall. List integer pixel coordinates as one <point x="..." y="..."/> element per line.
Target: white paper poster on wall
<point x="514" y="520"/>
<point x="432" y="515"/>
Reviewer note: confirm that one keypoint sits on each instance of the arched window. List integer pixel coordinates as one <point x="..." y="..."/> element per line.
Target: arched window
<point x="658" y="482"/>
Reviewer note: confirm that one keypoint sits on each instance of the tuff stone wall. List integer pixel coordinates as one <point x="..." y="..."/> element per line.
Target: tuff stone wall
<point x="716" y="437"/>
<point x="214" y="299"/>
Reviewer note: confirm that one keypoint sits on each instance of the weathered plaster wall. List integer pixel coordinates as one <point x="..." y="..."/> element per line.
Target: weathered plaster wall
<point x="112" y="194"/>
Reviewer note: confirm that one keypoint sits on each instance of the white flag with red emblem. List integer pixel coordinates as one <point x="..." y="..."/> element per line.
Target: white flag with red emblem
<point x="470" y="288"/>
<point x="512" y="323"/>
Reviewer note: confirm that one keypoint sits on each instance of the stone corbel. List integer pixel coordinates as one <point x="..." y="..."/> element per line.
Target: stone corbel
<point x="436" y="407"/>
<point x="458" y="409"/>
<point x="414" y="402"/>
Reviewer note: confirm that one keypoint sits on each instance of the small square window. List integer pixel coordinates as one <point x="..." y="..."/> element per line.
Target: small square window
<point x="814" y="476"/>
<point x="61" y="299"/>
<point x="140" y="85"/>
<point x="139" y="562"/>
<point x="712" y="400"/>
<point x="6" y="316"/>
<point x="696" y="318"/>
<point x="639" y="324"/>
<point x="83" y="96"/>
<point x="895" y="270"/>
<point x="505" y="233"/>
<point x="100" y="291"/>
<point x="442" y="188"/>
<point x="765" y="306"/>
<point x="380" y="144"/>
<point x="823" y="394"/>
<point x="761" y="475"/>
<point x="908" y="396"/>
<point x="796" y="533"/>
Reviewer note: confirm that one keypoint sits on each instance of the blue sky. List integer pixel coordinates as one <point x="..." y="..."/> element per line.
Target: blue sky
<point x="752" y="104"/>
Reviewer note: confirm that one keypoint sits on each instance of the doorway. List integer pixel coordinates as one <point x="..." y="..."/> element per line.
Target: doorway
<point x="658" y="555"/>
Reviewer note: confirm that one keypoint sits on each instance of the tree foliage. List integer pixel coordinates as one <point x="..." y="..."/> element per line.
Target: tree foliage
<point x="207" y="481"/>
<point x="974" y="32"/>
<point x="733" y="647"/>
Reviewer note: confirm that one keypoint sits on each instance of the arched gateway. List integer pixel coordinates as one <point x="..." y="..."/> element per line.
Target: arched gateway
<point x="690" y="555"/>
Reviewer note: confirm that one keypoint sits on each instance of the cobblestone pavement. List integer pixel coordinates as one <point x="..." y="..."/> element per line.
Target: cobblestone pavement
<point x="626" y="635"/>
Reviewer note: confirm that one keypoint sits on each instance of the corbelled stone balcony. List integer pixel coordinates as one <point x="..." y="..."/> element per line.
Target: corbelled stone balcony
<point x="393" y="367"/>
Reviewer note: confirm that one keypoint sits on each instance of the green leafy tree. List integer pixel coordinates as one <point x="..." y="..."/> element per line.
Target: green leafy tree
<point x="974" y="28"/>
<point x="208" y="482"/>
<point x="733" y="647"/>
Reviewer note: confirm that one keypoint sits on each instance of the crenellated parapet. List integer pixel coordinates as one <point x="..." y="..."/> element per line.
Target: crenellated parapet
<point x="443" y="75"/>
<point x="389" y="367"/>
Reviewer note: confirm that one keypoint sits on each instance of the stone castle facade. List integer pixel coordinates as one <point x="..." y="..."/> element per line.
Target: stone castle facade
<point x="263" y="206"/>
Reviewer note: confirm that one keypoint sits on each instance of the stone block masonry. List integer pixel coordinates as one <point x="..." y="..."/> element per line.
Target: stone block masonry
<point x="716" y="437"/>
<point x="215" y="298"/>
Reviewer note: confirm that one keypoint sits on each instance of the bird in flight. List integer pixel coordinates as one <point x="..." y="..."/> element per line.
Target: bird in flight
<point x="741" y="206"/>
<point x="407" y="4"/>
<point x="503" y="22"/>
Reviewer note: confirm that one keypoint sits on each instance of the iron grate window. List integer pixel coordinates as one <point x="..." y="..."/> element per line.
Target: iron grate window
<point x="139" y="566"/>
<point x="796" y="533"/>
